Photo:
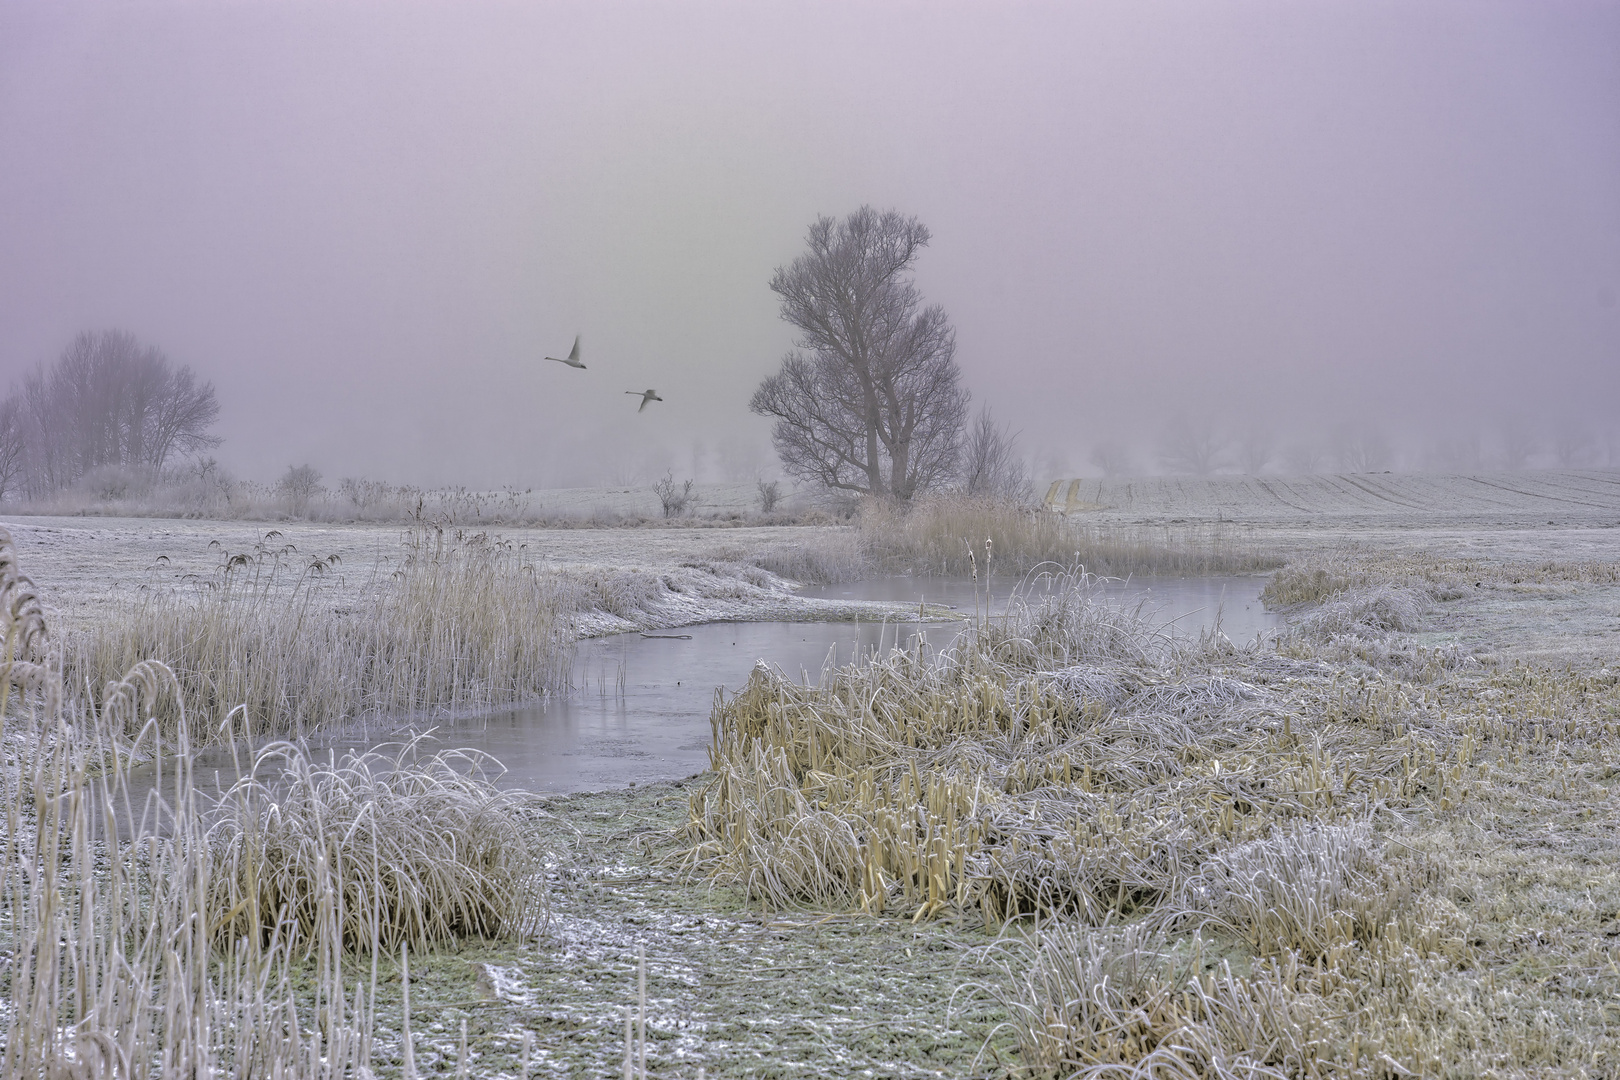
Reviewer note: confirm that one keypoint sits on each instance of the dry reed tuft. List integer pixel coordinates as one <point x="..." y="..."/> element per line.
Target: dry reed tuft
<point x="927" y="536"/>
<point x="412" y="850"/>
<point x="1307" y="891"/>
<point x="466" y="621"/>
<point x="829" y="560"/>
<point x="1373" y="611"/>
<point x="1128" y="1004"/>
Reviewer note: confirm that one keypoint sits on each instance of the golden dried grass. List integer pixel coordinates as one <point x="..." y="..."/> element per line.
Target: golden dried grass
<point x="466" y="621"/>
<point x="1205" y="861"/>
<point x="927" y="536"/>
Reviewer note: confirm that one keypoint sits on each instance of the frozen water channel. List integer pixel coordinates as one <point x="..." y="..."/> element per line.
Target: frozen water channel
<point x="641" y="708"/>
<point x="641" y="705"/>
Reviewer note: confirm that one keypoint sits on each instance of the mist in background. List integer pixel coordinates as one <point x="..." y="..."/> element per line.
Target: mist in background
<point x="1336" y="225"/>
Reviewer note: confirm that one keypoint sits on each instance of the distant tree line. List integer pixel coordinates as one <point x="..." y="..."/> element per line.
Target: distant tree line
<point x="108" y="401"/>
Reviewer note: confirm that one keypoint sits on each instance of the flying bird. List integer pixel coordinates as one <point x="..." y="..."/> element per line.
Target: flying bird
<point x="645" y="396"/>
<point x="573" y="357"/>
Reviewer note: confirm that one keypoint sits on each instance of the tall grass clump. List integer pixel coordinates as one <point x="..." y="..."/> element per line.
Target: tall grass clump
<point x="177" y="936"/>
<point x="1057" y="759"/>
<point x="833" y="558"/>
<point x="464" y="622"/>
<point x="413" y="849"/>
<point x="928" y="536"/>
<point x="1126" y="1003"/>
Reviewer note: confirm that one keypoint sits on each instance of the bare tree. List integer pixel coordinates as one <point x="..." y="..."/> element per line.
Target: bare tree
<point x="1305" y="458"/>
<point x="741" y="458"/>
<point x="991" y="463"/>
<point x="1574" y="447"/>
<point x="675" y="500"/>
<point x="870" y="400"/>
<point x="1190" y="446"/>
<point x="13" y="446"/>
<point x="1361" y="450"/>
<point x="1255" y="451"/>
<point x="1519" y="445"/>
<point x="298" y="485"/>
<point x="1111" y="457"/>
<point x="1459" y="454"/>
<point x="109" y="401"/>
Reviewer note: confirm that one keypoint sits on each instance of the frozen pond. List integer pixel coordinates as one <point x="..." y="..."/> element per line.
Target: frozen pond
<point x="640" y="711"/>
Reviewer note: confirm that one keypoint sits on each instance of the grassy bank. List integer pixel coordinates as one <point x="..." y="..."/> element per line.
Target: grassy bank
<point x="937" y="534"/>
<point x="1325" y="859"/>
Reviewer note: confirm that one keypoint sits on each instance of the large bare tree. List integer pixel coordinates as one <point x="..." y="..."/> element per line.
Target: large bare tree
<point x="109" y="400"/>
<point x="870" y="401"/>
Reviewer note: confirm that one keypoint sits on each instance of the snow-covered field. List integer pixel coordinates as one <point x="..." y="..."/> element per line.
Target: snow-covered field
<point x="80" y="565"/>
<point x="1571" y="495"/>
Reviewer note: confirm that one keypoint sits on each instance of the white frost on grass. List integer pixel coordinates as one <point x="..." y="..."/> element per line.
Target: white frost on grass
<point x="616" y="600"/>
<point x="1372" y="612"/>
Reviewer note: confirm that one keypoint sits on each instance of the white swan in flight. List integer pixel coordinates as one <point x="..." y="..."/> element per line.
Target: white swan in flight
<point x="645" y="396"/>
<point x="573" y="357"/>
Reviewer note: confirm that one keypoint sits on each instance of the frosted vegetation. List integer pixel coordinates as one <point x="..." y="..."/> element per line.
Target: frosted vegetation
<point x="1359" y="848"/>
<point x="1206" y="861"/>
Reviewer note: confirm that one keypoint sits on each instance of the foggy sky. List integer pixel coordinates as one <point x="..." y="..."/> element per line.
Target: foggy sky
<point x="367" y="223"/>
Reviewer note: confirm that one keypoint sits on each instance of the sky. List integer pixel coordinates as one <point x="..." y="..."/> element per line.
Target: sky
<point x="367" y="223"/>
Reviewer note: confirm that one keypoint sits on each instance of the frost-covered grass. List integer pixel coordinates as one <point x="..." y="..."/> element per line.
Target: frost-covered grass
<point x="1204" y="861"/>
<point x="936" y="534"/>
<point x="461" y="621"/>
<point x="408" y="848"/>
<point x="183" y="937"/>
<point x="1074" y="847"/>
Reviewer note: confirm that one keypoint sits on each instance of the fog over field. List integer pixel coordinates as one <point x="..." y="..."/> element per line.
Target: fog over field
<point x="367" y="223"/>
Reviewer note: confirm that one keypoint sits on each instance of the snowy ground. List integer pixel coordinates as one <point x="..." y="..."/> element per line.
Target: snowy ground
<point x="82" y="563"/>
<point x="1488" y="498"/>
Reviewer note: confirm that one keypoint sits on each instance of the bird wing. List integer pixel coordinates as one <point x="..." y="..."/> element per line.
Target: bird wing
<point x="574" y="355"/>
<point x="644" y="401"/>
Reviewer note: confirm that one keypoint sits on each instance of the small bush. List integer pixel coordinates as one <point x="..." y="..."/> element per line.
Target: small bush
<point x="675" y="501"/>
<point x="769" y="495"/>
